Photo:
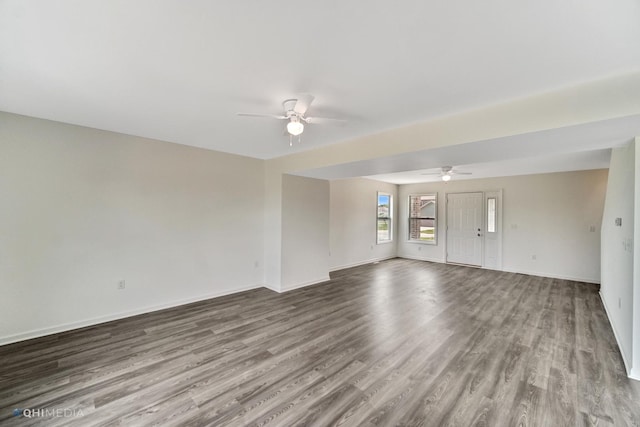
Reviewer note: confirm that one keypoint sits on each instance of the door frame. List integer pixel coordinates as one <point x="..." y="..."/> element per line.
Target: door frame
<point x="485" y="195"/>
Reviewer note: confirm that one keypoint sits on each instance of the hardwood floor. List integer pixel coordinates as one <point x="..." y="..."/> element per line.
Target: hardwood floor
<point x="396" y="343"/>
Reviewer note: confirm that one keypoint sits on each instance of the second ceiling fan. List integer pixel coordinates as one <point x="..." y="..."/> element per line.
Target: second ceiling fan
<point x="446" y="172"/>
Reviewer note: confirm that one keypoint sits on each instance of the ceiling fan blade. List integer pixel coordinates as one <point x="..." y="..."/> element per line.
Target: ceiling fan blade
<point x="303" y="103"/>
<point x="273" y="116"/>
<point x="432" y="173"/>
<point x="323" y="120"/>
<point x="462" y="173"/>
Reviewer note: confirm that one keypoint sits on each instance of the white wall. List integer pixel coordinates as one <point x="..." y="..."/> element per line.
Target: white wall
<point x="83" y="209"/>
<point x="272" y="228"/>
<point x="305" y="231"/>
<point x="634" y="369"/>
<point x="353" y="222"/>
<point x="546" y="215"/>
<point x="617" y="248"/>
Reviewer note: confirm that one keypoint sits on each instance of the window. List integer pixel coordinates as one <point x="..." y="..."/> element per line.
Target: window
<point x="491" y="215"/>
<point x="423" y="211"/>
<point x="385" y="213"/>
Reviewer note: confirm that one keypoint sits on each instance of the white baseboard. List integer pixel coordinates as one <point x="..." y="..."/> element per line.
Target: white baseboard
<point x="554" y="276"/>
<point x="530" y="273"/>
<point x="121" y="315"/>
<point x="615" y="334"/>
<point x="369" y="261"/>
<point x="635" y="374"/>
<point x="302" y="285"/>
<point x="282" y="290"/>
<point x="272" y="288"/>
<point x="438" y="260"/>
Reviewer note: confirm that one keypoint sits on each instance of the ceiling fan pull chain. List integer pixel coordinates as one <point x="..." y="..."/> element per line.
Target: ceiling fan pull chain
<point x="290" y="140"/>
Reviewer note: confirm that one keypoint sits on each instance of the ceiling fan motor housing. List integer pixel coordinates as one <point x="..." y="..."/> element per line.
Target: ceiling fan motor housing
<point x="289" y="105"/>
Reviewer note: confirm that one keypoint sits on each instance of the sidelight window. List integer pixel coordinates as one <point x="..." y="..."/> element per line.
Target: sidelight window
<point x="491" y="214"/>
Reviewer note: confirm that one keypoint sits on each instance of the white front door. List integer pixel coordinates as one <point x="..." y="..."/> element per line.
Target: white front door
<point x="464" y="228"/>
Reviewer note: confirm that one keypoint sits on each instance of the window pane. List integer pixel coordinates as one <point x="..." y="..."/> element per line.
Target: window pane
<point x="422" y="218"/>
<point x="491" y="215"/>
<point x="383" y="205"/>
<point x="384" y="231"/>
<point x="422" y="206"/>
<point x="422" y="229"/>
<point x="384" y="218"/>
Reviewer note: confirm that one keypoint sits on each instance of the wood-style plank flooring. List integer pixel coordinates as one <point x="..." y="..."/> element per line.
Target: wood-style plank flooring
<point x="396" y="343"/>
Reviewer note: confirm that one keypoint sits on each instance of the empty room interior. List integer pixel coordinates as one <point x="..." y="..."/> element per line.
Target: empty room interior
<point x="319" y="213"/>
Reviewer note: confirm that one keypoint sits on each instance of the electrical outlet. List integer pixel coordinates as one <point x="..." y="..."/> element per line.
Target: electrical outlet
<point x="592" y="229"/>
<point x="534" y="257"/>
<point x="121" y="284"/>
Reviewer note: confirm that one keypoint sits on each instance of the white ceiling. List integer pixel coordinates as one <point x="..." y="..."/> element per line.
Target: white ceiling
<point x="582" y="160"/>
<point x="179" y="70"/>
<point x="579" y="147"/>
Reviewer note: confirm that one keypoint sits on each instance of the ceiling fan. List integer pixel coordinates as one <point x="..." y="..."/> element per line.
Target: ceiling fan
<point x="446" y="172"/>
<point x="295" y="111"/>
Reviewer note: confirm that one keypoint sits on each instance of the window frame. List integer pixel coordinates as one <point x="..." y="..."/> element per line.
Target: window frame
<point x="389" y="218"/>
<point x="412" y="218"/>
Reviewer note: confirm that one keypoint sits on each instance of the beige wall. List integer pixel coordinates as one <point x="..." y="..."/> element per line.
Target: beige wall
<point x="305" y="236"/>
<point x="546" y="215"/>
<point x="83" y="209"/>
<point x="634" y="371"/>
<point x="353" y="222"/>
<point x="617" y="247"/>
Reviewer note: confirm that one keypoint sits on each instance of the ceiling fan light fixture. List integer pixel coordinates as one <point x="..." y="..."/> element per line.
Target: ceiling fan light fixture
<point x="295" y="127"/>
<point x="294" y="114"/>
<point x="446" y="177"/>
